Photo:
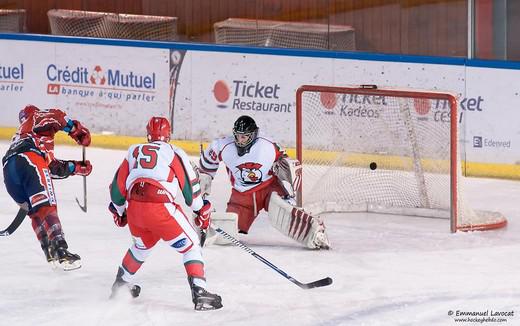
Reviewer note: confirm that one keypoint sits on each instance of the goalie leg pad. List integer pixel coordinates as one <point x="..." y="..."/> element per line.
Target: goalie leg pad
<point x="227" y="222"/>
<point x="297" y="224"/>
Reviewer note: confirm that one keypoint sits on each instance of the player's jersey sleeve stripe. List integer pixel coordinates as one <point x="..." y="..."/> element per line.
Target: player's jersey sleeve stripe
<point x="207" y="160"/>
<point x="183" y="179"/>
<point x="50" y="122"/>
<point x="208" y="167"/>
<point x="118" y="185"/>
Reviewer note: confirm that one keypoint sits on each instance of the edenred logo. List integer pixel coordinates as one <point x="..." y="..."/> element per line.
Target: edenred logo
<point x="329" y="101"/>
<point x="98" y="76"/>
<point x="221" y="93"/>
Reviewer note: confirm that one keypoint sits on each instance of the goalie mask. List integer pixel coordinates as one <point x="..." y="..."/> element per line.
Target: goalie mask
<point x="158" y="128"/>
<point x="245" y="131"/>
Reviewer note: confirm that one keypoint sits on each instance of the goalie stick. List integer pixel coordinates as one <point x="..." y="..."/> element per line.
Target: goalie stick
<point x="15" y="223"/>
<point x="319" y="283"/>
<point x="84" y="206"/>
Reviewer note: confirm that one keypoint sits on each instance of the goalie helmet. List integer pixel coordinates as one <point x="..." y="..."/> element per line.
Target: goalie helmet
<point x="245" y="132"/>
<point x="27" y="112"/>
<point x="158" y="128"/>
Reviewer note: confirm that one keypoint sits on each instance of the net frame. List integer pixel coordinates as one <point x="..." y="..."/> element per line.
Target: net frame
<point x="494" y="220"/>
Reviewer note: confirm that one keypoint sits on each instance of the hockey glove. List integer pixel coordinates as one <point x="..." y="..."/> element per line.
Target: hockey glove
<point x="119" y="217"/>
<point x="80" y="167"/>
<point x="80" y="134"/>
<point x="203" y="215"/>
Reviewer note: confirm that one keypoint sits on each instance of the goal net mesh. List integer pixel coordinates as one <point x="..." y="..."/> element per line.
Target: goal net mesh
<point x="284" y="34"/>
<point x="109" y="25"/>
<point x="12" y="20"/>
<point x="383" y="151"/>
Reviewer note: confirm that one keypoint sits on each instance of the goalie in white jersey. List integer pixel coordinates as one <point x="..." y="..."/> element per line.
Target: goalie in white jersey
<point x="143" y="195"/>
<point x="262" y="177"/>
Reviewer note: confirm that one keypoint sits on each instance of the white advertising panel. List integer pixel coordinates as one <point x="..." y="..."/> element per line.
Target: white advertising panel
<point x="227" y="85"/>
<point x="20" y="62"/>
<point x="493" y="115"/>
<point x="115" y="89"/>
<point x="109" y="88"/>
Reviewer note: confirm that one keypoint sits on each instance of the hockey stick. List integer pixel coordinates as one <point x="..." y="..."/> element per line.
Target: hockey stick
<point x="203" y="232"/>
<point x="84" y="206"/>
<point x="319" y="283"/>
<point x="15" y="223"/>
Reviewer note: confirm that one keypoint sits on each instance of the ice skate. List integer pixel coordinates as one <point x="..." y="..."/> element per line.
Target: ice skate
<point x="202" y="299"/>
<point x="121" y="285"/>
<point x="320" y="238"/>
<point x="47" y="251"/>
<point x="62" y="257"/>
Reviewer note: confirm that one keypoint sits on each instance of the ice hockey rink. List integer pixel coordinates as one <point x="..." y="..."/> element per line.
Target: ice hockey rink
<point x="387" y="270"/>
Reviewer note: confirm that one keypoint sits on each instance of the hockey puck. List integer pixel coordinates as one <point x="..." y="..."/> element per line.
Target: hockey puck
<point x="373" y="166"/>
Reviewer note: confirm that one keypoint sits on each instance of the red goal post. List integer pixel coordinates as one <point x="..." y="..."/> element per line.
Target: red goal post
<point x="365" y="149"/>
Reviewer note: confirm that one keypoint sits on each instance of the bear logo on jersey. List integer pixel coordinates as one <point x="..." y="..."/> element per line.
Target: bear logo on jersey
<point x="250" y="173"/>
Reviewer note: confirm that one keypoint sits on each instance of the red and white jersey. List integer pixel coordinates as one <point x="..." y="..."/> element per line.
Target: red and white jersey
<point x="161" y="164"/>
<point x="249" y="172"/>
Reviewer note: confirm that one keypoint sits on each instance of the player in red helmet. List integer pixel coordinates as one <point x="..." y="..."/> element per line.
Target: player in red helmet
<point x="143" y="195"/>
<point x="29" y="165"/>
<point x="158" y="128"/>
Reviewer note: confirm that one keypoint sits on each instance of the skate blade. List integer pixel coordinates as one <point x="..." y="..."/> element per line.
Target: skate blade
<point x="54" y="264"/>
<point x="126" y="291"/>
<point x="204" y="306"/>
<point x="70" y="266"/>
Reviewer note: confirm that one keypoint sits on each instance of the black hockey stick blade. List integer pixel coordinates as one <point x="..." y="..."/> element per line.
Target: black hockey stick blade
<point x="84" y="206"/>
<point x="15" y="223"/>
<point x="316" y="284"/>
<point x="319" y="283"/>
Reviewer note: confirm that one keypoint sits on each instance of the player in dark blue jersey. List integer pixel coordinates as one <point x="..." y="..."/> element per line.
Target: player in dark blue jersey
<point x="29" y="167"/>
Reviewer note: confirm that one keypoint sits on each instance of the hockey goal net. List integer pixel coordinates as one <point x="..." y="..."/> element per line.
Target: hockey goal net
<point x="109" y="25"/>
<point x="283" y="34"/>
<point x="383" y="151"/>
<point x="12" y="20"/>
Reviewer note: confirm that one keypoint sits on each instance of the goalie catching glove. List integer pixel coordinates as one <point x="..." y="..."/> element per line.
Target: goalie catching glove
<point x="118" y="213"/>
<point x="289" y="173"/>
<point x="203" y="215"/>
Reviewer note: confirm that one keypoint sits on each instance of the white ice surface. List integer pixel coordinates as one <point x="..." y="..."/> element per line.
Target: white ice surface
<point x="387" y="270"/>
